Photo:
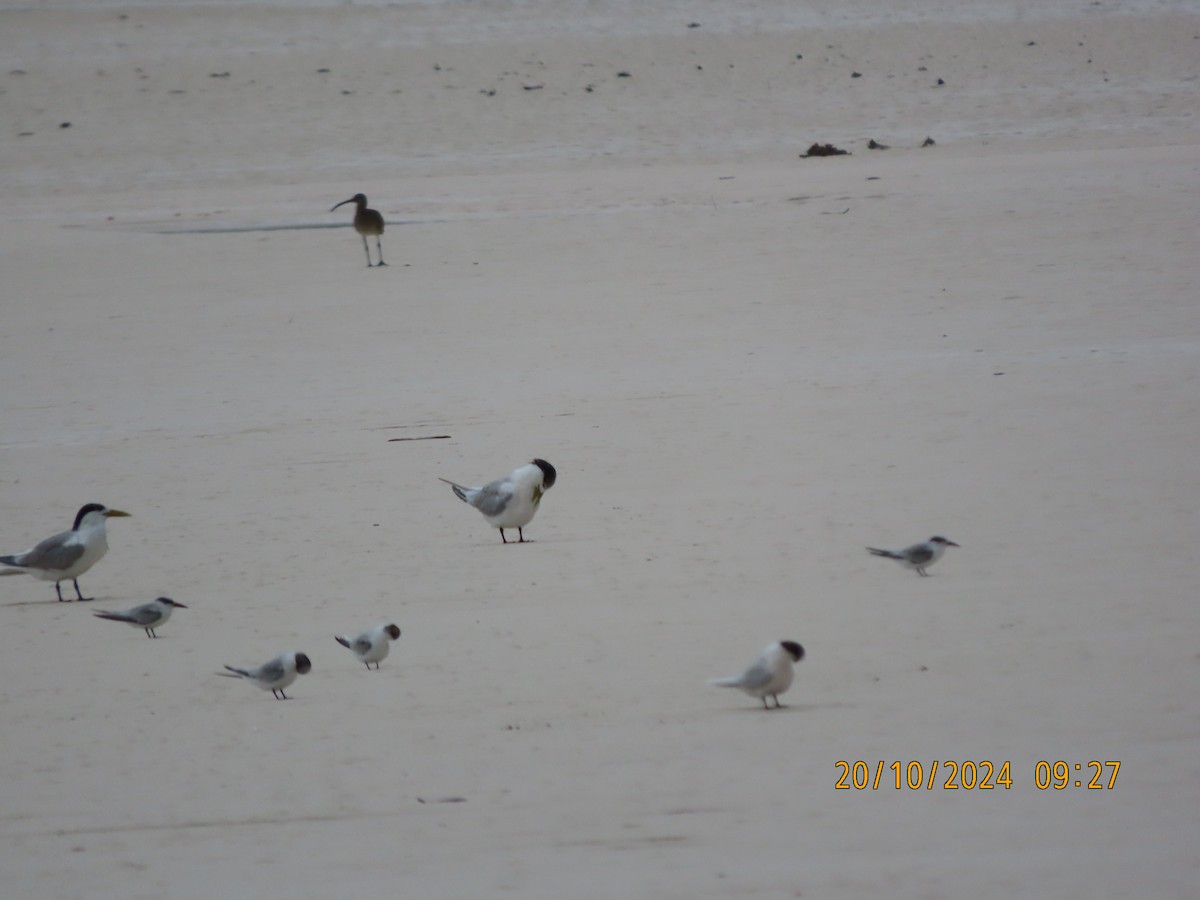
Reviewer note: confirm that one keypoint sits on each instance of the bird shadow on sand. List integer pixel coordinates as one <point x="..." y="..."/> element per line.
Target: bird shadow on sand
<point x="88" y="602"/>
<point x="549" y="541"/>
<point x="793" y="708"/>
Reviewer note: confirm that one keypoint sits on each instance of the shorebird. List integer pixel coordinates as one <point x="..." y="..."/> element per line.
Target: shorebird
<point x="366" y="221"/>
<point x="511" y="501"/>
<point x="148" y="616"/>
<point x="275" y="675"/>
<point x="371" y="646"/>
<point x="918" y="556"/>
<point x="770" y="675"/>
<point x="68" y="554"/>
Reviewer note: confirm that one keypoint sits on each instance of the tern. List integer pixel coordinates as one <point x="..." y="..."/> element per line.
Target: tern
<point x="366" y="221"/>
<point x="148" y="616"/>
<point x="275" y="675"/>
<point x="512" y="501"/>
<point x="69" y="554"/>
<point x="371" y="646"/>
<point x="770" y="675"/>
<point x="918" y="556"/>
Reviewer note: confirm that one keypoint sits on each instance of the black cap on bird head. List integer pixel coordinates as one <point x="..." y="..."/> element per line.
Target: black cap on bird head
<point x="303" y="663"/>
<point x="84" y="510"/>
<point x="95" y="507"/>
<point x="795" y="651"/>
<point x="548" y="474"/>
<point x="938" y="539"/>
<point x="392" y="631"/>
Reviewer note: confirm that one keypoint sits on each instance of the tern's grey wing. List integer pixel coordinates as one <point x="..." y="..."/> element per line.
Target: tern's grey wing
<point x="271" y="671"/>
<point x="53" y="553"/>
<point x="145" y="615"/>
<point x="918" y="553"/>
<point x="362" y="644"/>
<point x="757" y="676"/>
<point x="493" y="497"/>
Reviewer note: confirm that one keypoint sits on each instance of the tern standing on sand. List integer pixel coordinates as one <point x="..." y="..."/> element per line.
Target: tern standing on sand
<point x="512" y="501"/>
<point x="371" y="646"/>
<point x="770" y="675"/>
<point x="69" y="554"/>
<point x="918" y="556"/>
<point x="148" y="616"/>
<point x="275" y="675"/>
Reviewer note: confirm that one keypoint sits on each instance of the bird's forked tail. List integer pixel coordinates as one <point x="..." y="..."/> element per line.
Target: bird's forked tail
<point x="459" y="491"/>
<point x="112" y="616"/>
<point x="341" y="640"/>
<point x="730" y="681"/>
<point x="890" y="554"/>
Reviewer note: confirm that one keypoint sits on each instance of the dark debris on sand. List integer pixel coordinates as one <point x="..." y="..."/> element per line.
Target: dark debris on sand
<point x="824" y="150"/>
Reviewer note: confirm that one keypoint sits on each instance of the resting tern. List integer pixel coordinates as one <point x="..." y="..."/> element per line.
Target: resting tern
<point x="148" y="616"/>
<point x="770" y="675"/>
<point x="512" y="501"/>
<point x="918" y="556"/>
<point x="275" y="675"/>
<point x="371" y="646"/>
<point x="70" y="553"/>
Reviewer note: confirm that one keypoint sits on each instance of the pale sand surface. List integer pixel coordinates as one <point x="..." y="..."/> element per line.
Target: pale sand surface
<point x="746" y="366"/>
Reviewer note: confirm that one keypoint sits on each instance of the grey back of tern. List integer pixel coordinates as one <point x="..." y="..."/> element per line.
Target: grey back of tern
<point x="148" y="616"/>
<point x="68" y="554"/>
<point x="511" y="501"/>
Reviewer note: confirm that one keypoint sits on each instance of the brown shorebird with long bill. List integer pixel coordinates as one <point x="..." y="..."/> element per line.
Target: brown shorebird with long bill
<point x="366" y="221"/>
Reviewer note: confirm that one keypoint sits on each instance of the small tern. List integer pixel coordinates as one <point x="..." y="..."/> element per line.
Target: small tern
<point x="512" y="501"/>
<point x="918" y="556"/>
<point x="148" y="616"/>
<point x="275" y="675"/>
<point x="770" y="675"/>
<point x="371" y="646"/>
<point x="69" y="554"/>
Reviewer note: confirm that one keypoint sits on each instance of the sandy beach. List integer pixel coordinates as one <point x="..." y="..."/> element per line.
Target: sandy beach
<point x="604" y="249"/>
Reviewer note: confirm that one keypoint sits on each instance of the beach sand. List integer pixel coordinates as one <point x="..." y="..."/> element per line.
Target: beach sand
<point x="746" y="367"/>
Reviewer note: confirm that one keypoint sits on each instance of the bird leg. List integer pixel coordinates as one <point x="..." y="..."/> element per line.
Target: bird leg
<point x="379" y="247"/>
<point x="367" y="250"/>
<point x="59" y="591"/>
<point x="502" y="537"/>
<point x="78" y="595"/>
<point x="520" y="536"/>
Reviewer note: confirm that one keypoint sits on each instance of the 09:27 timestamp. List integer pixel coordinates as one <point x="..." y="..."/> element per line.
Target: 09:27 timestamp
<point x="1060" y="774"/>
